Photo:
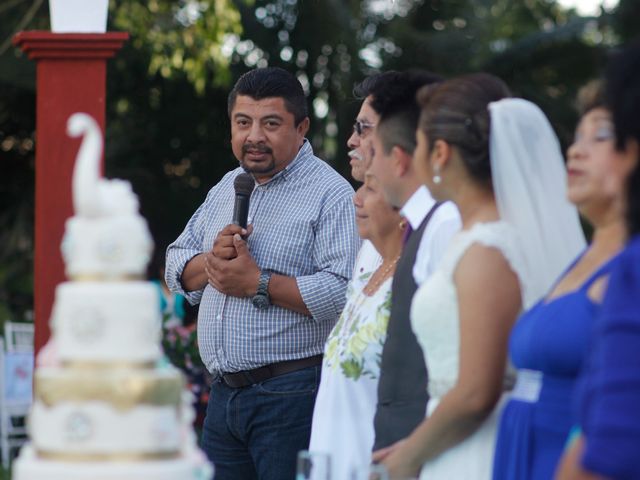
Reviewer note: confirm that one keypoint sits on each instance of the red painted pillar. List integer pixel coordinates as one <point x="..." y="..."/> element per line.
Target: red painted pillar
<point x="71" y="77"/>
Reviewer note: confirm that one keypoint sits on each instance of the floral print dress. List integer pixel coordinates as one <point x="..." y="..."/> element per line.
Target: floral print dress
<point x="347" y="397"/>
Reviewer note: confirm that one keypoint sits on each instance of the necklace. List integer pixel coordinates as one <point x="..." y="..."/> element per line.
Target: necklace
<point x="372" y="286"/>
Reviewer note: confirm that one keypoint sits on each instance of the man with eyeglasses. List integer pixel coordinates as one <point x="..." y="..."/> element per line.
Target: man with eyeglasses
<point x="365" y="122"/>
<point x="359" y="144"/>
<point x="368" y="259"/>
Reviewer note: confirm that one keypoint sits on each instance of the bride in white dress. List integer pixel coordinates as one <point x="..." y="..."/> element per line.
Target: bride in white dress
<point x="500" y="162"/>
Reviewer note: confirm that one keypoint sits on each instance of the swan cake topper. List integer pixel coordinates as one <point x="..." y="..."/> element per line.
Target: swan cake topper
<point x="107" y="238"/>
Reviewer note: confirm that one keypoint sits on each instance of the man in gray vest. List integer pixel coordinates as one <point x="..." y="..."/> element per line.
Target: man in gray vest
<point x="402" y="390"/>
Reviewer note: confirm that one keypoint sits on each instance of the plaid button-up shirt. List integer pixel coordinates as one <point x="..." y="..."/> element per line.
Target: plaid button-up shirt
<point x="303" y="227"/>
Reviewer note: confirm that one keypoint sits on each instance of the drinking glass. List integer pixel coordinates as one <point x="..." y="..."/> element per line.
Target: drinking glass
<point x="370" y="472"/>
<point x="313" y="466"/>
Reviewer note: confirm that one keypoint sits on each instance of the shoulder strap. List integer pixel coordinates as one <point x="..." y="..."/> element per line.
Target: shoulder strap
<point x="564" y="273"/>
<point x="599" y="273"/>
<point x="425" y="222"/>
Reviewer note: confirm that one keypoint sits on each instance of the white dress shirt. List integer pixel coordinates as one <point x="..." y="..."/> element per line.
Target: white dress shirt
<point x="444" y="224"/>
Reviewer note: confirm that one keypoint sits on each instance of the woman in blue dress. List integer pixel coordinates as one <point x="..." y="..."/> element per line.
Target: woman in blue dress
<point x="548" y="344"/>
<point x="609" y="394"/>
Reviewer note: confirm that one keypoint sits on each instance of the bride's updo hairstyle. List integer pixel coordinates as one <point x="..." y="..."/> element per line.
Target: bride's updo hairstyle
<point x="456" y="111"/>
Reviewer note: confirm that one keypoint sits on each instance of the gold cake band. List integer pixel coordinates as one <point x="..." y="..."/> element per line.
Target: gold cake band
<point x="123" y="390"/>
<point x="96" y="277"/>
<point x="110" y="365"/>
<point x="107" y="457"/>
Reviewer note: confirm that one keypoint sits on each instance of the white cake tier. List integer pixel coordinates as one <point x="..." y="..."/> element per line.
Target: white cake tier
<point x="189" y="466"/>
<point x="110" y="246"/>
<point x="97" y="431"/>
<point x="107" y="322"/>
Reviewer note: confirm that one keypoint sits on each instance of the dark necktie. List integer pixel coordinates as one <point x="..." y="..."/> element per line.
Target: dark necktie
<point x="407" y="233"/>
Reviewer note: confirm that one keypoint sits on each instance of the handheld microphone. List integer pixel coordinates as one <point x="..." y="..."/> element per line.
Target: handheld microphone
<point x="243" y="185"/>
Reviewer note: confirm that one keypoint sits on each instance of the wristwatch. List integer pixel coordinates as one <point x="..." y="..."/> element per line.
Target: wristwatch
<point x="261" y="299"/>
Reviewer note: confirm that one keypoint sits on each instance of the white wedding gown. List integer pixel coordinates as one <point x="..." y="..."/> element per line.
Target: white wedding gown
<point x="434" y="318"/>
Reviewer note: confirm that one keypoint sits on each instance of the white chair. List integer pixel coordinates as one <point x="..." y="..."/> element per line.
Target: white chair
<point x="16" y="387"/>
<point x="18" y="336"/>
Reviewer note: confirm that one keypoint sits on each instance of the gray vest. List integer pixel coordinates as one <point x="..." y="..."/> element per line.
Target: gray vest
<point x="402" y="389"/>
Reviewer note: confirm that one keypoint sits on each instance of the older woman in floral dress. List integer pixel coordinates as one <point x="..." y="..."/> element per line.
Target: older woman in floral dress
<point x="345" y="405"/>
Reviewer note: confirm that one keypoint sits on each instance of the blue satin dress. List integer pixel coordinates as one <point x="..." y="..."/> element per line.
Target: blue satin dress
<point x="609" y="393"/>
<point x="548" y="346"/>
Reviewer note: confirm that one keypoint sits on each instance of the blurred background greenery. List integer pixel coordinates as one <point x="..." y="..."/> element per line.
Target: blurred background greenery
<point x="167" y="127"/>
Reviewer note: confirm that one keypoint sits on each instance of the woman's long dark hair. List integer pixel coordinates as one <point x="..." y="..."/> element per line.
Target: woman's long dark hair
<point x="623" y="96"/>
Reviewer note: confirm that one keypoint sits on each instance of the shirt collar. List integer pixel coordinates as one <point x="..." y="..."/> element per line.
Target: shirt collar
<point x="417" y="207"/>
<point x="305" y="151"/>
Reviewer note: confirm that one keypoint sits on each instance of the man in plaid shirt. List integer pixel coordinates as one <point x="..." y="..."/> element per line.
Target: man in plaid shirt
<point x="268" y="296"/>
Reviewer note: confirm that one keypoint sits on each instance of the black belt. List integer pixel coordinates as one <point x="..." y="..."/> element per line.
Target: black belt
<point x="246" y="378"/>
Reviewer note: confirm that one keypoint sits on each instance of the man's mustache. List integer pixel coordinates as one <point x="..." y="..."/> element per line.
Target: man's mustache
<point x="255" y="147"/>
<point x="355" y="154"/>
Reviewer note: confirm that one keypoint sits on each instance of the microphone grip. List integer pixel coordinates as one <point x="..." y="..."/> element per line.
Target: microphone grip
<point x="241" y="210"/>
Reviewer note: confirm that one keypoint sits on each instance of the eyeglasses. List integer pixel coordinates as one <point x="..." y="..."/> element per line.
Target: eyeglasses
<point x="362" y="127"/>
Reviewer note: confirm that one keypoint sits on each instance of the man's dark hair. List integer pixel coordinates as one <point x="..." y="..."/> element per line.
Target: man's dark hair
<point x="394" y="99"/>
<point x="623" y="96"/>
<point x="363" y="89"/>
<point x="269" y="83"/>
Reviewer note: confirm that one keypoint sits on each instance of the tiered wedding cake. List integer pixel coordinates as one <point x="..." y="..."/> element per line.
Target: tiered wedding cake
<point x="106" y="406"/>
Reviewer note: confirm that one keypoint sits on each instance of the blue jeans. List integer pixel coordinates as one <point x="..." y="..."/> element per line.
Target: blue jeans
<point x="256" y="432"/>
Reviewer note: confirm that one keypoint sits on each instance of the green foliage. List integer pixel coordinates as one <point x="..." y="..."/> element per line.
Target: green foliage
<point x="16" y="202"/>
<point x="184" y="37"/>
